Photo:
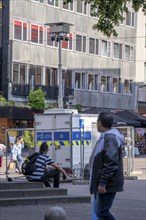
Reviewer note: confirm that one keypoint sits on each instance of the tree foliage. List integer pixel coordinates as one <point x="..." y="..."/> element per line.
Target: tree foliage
<point x="36" y="99"/>
<point x="110" y="13"/>
<point x="29" y="138"/>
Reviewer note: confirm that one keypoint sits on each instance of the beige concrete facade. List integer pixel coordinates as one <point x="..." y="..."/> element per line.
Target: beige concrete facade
<point x="26" y="52"/>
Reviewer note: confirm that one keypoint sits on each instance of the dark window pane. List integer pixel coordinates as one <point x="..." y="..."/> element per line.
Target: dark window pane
<point x="17" y="30"/>
<point x="15" y="72"/>
<point x="78" y="43"/>
<point x="34" y="33"/>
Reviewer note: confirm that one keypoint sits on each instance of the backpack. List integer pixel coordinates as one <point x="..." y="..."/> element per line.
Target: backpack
<point x="28" y="166"/>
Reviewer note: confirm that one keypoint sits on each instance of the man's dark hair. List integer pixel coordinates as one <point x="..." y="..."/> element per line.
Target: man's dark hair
<point x="43" y="147"/>
<point x="106" y="119"/>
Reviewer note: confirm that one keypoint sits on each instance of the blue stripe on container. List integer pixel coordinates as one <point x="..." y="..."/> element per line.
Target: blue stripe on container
<point x="44" y="136"/>
<point x="64" y="135"/>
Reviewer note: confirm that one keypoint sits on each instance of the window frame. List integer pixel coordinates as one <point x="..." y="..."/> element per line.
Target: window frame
<point x="39" y="1"/>
<point x="108" y="48"/>
<point x="19" y="73"/>
<point x="130" y="56"/>
<point x="107" y="84"/>
<point x="95" y="46"/>
<point x="119" y="52"/>
<point x="131" y="15"/>
<point x="69" y="6"/>
<point x="84" y="8"/>
<point x="83" y="44"/>
<point x="23" y="25"/>
<point x="40" y="29"/>
<point x="56" y="3"/>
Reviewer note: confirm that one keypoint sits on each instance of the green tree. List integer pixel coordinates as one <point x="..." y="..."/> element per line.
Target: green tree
<point x="78" y="107"/>
<point x="110" y="13"/>
<point x="36" y="99"/>
<point x="29" y="138"/>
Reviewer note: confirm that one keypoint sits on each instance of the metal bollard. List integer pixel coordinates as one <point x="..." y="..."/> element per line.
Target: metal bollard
<point x="55" y="213"/>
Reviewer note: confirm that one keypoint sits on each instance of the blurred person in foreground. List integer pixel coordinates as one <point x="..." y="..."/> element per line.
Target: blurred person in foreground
<point x="106" y="167"/>
<point x="55" y="213"/>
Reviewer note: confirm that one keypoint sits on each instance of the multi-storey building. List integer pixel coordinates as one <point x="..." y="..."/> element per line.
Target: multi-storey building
<point x="98" y="71"/>
<point x="140" y="74"/>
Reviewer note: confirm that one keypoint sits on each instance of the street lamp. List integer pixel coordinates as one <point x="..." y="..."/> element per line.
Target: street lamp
<point x="59" y="31"/>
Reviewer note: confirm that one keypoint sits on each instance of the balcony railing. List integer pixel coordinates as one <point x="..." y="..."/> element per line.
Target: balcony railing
<point x="22" y="90"/>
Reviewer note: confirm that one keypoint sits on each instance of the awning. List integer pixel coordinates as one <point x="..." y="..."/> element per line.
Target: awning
<point x="132" y="115"/>
<point x="121" y="117"/>
<point x="16" y="113"/>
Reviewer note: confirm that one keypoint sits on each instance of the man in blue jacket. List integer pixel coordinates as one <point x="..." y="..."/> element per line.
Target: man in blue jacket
<point x="106" y="167"/>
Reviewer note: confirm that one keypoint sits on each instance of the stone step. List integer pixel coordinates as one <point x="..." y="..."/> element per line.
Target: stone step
<point x="21" y="185"/>
<point x="44" y="200"/>
<point x="17" y="193"/>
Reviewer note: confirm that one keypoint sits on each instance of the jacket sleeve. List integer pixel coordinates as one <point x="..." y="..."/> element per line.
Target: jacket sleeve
<point x="109" y="159"/>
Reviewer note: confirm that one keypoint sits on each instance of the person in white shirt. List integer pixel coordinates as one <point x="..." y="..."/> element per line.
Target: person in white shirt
<point x="20" y="147"/>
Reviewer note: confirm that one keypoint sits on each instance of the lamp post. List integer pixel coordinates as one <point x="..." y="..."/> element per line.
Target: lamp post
<point x="59" y="31"/>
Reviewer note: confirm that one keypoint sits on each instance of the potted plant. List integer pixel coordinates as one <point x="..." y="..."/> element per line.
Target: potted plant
<point x="36" y="100"/>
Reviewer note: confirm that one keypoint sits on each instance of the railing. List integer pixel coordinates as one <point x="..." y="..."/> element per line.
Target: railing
<point x="20" y="89"/>
<point x="51" y="91"/>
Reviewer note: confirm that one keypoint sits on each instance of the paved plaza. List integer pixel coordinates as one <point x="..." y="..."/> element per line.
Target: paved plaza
<point x="128" y="205"/>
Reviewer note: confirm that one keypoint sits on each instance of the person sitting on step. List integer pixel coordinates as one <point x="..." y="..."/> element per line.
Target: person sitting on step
<point x="43" y="173"/>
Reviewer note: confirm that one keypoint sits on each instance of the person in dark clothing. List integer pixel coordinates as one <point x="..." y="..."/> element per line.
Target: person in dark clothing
<point x="42" y="172"/>
<point x="106" y="167"/>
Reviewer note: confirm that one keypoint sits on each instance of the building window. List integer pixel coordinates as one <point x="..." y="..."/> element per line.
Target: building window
<point x="116" y="86"/>
<point x="48" y="77"/>
<point x="68" y="6"/>
<point x="22" y="73"/>
<point x="93" y="46"/>
<point x="80" y="43"/>
<point x="19" y="73"/>
<point x="54" y="77"/>
<point x="117" y="51"/>
<point x="90" y="82"/>
<point x="38" y="74"/>
<point x="53" y="3"/>
<point x="81" y="7"/>
<point x="36" y="34"/>
<point x="40" y="1"/>
<point x="20" y="30"/>
<point x="67" y="42"/>
<point x="93" y="11"/>
<point x="96" y="82"/>
<point x="35" y="75"/>
<point x="83" y="80"/>
<point x="130" y="19"/>
<point x="129" y="53"/>
<point x="105" y="84"/>
<point x="77" y="80"/>
<point x="127" y="86"/>
<point x="15" y="73"/>
<point x="105" y="48"/>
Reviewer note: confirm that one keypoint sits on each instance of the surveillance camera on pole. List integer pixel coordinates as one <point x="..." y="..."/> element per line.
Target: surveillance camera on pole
<point x="60" y="31"/>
